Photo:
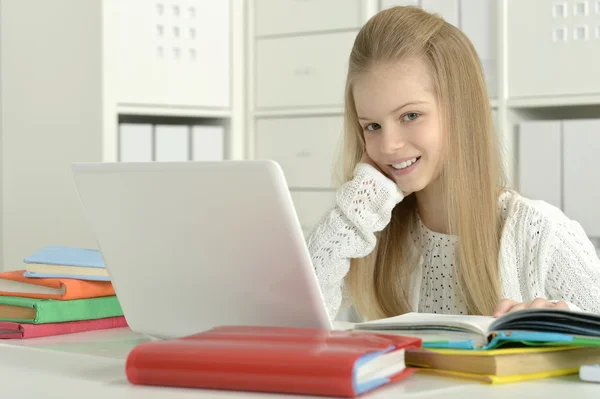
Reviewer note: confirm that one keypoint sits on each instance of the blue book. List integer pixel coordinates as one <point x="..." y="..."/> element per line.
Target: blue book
<point x="57" y="261"/>
<point x="67" y="256"/>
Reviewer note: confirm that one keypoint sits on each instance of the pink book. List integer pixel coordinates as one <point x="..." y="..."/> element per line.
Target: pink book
<point x="10" y="330"/>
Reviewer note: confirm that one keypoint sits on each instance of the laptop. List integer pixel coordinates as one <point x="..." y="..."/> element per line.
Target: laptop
<point x="194" y="245"/>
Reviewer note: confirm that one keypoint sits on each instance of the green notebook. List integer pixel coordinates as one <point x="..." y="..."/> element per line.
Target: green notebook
<point x="43" y="311"/>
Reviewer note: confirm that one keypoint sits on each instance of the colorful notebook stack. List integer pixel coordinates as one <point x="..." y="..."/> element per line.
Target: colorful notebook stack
<point x="519" y="346"/>
<point x="63" y="290"/>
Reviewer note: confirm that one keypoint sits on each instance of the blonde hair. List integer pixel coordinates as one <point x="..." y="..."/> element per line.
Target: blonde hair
<point x="379" y="283"/>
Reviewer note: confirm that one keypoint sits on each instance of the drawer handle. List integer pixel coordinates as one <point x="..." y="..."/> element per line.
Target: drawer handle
<point x="302" y="71"/>
<point x="304" y="154"/>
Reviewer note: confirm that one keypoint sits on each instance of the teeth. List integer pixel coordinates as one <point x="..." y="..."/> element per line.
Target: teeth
<point x="404" y="164"/>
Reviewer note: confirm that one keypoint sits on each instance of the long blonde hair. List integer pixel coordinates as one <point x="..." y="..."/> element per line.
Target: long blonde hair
<point x="379" y="283"/>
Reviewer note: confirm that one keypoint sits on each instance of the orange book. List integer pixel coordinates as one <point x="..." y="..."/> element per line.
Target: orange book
<point x="15" y="284"/>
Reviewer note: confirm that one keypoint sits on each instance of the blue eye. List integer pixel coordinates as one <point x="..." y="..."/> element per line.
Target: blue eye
<point x="411" y="116"/>
<point x="372" y="126"/>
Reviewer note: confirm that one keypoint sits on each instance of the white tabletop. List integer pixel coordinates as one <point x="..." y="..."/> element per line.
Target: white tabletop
<point x="91" y="365"/>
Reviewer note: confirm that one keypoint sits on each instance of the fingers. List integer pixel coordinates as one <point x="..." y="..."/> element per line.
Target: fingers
<point x="561" y="305"/>
<point x="504" y="307"/>
<point x="519" y="306"/>
<point x="540" y="303"/>
<point x="509" y="306"/>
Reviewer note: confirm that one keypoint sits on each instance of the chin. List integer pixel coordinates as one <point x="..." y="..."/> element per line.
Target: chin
<point x="411" y="188"/>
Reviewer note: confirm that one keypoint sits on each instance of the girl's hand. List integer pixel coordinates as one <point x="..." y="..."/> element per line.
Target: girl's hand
<point x="367" y="159"/>
<point x="508" y="305"/>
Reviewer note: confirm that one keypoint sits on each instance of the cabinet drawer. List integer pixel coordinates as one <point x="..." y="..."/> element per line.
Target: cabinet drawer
<point x="304" y="147"/>
<point x="174" y="53"/>
<point x="565" y="39"/>
<point x="274" y="17"/>
<point x="302" y="71"/>
<point x="311" y="207"/>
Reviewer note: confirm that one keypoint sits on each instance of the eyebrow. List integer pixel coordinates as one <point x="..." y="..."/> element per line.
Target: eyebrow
<point x="362" y="118"/>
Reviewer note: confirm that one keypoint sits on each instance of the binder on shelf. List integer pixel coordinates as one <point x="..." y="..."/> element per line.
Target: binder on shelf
<point x="135" y="142"/>
<point x="172" y="143"/>
<point x="540" y="161"/>
<point x="581" y="138"/>
<point x="208" y="143"/>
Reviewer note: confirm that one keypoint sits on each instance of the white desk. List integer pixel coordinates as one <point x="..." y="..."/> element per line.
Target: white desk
<point x="91" y="365"/>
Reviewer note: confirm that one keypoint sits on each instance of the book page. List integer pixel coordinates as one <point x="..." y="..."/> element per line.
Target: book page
<point x="430" y="321"/>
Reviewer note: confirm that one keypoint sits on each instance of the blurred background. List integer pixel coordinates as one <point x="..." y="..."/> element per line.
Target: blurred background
<point x="171" y="80"/>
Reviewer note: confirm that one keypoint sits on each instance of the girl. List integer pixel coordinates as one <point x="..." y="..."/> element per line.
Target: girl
<point x="423" y="169"/>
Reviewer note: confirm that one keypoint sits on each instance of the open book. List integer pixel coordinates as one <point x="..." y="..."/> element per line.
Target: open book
<point x="528" y="326"/>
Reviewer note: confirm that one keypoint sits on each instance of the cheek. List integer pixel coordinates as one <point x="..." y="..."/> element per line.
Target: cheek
<point x="371" y="145"/>
<point x="431" y="140"/>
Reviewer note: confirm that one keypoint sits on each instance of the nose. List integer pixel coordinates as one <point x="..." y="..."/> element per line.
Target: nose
<point x="392" y="140"/>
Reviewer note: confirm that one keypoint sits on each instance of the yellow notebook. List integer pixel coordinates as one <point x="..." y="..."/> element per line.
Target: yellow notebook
<point x="503" y="365"/>
<point x="497" y="380"/>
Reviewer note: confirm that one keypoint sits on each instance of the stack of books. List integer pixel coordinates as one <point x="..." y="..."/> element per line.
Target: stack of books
<point x="62" y="290"/>
<point x="519" y="346"/>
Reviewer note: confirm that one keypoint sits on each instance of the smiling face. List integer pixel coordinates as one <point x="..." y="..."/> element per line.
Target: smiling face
<point x="397" y="109"/>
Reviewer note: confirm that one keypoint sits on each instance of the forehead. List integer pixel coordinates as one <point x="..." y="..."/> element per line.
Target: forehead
<point x="390" y="84"/>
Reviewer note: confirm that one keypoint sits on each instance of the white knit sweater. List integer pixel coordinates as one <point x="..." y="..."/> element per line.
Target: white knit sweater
<point x="543" y="253"/>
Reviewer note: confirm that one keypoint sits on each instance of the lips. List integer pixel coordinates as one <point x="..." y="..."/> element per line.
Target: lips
<point x="405" y="164"/>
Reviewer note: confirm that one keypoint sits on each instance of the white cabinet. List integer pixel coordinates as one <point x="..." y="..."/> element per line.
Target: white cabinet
<point x="299" y="62"/>
<point x="276" y="17"/>
<point x="582" y="174"/>
<point x="477" y="19"/>
<point x="311" y="207"/>
<point x="174" y="53"/>
<point x="305" y="147"/>
<point x="447" y="9"/>
<point x="540" y="161"/>
<point x="302" y="71"/>
<point x="553" y="48"/>
<point x="557" y="164"/>
<point x="383" y="4"/>
<point x="72" y="70"/>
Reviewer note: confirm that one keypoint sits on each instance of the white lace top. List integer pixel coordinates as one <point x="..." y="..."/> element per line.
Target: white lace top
<point x="543" y="253"/>
<point x="439" y="289"/>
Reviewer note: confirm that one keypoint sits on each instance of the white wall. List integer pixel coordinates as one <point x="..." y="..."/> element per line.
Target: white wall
<point x="51" y="116"/>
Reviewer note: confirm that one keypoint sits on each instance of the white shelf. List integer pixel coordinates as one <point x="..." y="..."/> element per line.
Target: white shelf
<point x="283" y="112"/>
<point x="298" y="112"/>
<point x="173" y="111"/>
<point x="559" y="101"/>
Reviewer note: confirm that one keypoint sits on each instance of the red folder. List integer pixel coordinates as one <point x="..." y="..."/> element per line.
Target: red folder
<point x="273" y="359"/>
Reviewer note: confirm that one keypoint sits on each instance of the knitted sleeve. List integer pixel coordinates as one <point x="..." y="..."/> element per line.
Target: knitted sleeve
<point x="363" y="206"/>
<point x="573" y="267"/>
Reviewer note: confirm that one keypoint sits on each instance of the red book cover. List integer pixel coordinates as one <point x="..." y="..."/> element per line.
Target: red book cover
<point x="10" y="330"/>
<point x="274" y="359"/>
